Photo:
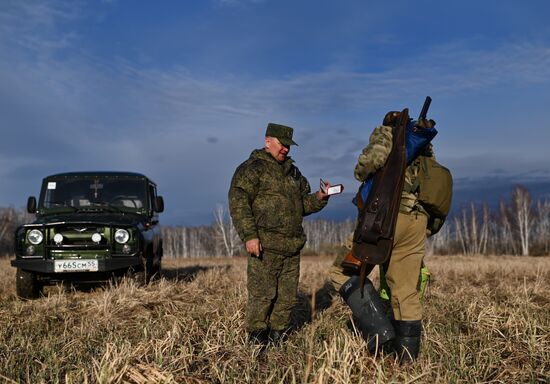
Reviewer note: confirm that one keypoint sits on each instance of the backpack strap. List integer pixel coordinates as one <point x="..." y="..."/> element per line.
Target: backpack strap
<point x="419" y="165"/>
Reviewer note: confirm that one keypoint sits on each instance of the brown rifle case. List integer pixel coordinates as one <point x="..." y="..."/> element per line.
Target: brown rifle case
<point x="374" y="234"/>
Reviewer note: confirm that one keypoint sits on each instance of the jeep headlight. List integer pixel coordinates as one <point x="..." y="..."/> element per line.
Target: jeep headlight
<point x="122" y="236"/>
<point x="96" y="238"/>
<point x="35" y="236"/>
<point x="58" y="238"/>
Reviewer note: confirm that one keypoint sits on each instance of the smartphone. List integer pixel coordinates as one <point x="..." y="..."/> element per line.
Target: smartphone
<point x="332" y="190"/>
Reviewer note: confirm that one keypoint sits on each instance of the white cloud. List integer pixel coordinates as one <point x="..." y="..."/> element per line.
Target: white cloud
<point x="176" y="94"/>
<point x="34" y="25"/>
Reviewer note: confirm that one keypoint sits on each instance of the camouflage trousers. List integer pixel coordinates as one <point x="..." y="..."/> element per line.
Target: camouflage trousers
<point x="403" y="271"/>
<point x="272" y="282"/>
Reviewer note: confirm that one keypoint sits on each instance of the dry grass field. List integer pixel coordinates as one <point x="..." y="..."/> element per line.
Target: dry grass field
<point x="487" y="321"/>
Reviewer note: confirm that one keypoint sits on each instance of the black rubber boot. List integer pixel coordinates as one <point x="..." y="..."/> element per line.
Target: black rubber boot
<point x="407" y="340"/>
<point x="388" y="310"/>
<point x="370" y="313"/>
<point x="278" y="337"/>
<point x="259" y="337"/>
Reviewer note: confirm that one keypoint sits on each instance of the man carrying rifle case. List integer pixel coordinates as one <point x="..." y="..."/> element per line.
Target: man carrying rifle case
<point x="392" y="222"/>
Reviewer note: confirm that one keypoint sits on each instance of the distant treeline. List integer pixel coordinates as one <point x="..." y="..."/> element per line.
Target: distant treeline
<point x="10" y="219"/>
<point x="519" y="227"/>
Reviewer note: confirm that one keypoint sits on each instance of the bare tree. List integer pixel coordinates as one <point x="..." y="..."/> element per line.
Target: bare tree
<point x="325" y="234"/>
<point x="542" y="233"/>
<point x="440" y="242"/>
<point x="225" y="231"/>
<point x="507" y="242"/>
<point x="472" y="232"/>
<point x="484" y="229"/>
<point x="7" y="217"/>
<point x="10" y="219"/>
<point x="189" y="242"/>
<point x="523" y="215"/>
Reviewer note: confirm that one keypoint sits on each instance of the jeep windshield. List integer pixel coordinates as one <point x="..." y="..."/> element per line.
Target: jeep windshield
<point x="95" y="193"/>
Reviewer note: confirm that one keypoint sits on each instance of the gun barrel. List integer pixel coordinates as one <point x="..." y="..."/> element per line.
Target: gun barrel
<point x="425" y="108"/>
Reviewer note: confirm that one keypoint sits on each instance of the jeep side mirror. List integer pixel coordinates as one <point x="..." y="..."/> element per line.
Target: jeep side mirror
<point x="31" y="204"/>
<point x="159" y="204"/>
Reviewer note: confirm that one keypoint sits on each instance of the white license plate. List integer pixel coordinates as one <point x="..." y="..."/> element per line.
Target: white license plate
<point x="75" y="266"/>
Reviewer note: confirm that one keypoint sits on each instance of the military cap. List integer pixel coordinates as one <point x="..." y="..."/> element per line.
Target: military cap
<point x="281" y="132"/>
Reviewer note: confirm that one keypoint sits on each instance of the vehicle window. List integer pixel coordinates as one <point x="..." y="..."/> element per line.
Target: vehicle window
<point x="89" y="192"/>
<point x="152" y="194"/>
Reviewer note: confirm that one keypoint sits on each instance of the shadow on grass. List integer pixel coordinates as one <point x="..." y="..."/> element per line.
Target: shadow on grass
<point x="307" y="305"/>
<point x="188" y="274"/>
<point x="183" y="274"/>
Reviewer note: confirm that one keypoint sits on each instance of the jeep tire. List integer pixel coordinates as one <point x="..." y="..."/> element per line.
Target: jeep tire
<point x="153" y="270"/>
<point x="152" y="265"/>
<point x="139" y="278"/>
<point x="27" y="285"/>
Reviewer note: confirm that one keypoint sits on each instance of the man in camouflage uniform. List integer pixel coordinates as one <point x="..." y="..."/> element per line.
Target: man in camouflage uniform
<point x="403" y="271"/>
<point x="268" y="198"/>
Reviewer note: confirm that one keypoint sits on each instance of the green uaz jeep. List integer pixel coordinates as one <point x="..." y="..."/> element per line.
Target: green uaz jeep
<point x="89" y="227"/>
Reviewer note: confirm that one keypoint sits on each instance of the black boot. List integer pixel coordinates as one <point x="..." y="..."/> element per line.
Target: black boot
<point x="388" y="310"/>
<point x="278" y="337"/>
<point x="407" y="340"/>
<point x="370" y="313"/>
<point x="259" y="337"/>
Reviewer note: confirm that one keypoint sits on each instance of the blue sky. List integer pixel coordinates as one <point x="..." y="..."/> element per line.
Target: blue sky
<point x="182" y="90"/>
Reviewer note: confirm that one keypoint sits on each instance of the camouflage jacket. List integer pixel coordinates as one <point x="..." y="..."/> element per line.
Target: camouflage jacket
<point x="267" y="201"/>
<point x="374" y="156"/>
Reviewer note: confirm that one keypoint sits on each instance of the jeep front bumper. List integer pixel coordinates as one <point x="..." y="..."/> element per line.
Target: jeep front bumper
<point x="104" y="265"/>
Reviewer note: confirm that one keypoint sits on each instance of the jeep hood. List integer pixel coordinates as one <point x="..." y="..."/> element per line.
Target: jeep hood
<point x="103" y="218"/>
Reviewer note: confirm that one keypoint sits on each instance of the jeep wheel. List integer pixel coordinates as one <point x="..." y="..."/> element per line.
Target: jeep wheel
<point x="27" y="285"/>
<point x="153" y="271"/>
<point x="137" y="275"/>
<point x="139" y="278"/>
<point x="152" y="266"/>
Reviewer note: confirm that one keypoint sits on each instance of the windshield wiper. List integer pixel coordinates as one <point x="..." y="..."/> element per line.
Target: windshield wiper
<point x="62" y="204"/>
<point x="109" y="206"/>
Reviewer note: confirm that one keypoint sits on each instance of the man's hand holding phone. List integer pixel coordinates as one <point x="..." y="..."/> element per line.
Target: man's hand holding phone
<point x="327" y="189"/>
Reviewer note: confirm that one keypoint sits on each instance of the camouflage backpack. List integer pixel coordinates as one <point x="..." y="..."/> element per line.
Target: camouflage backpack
<point x="434" y="186"/>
